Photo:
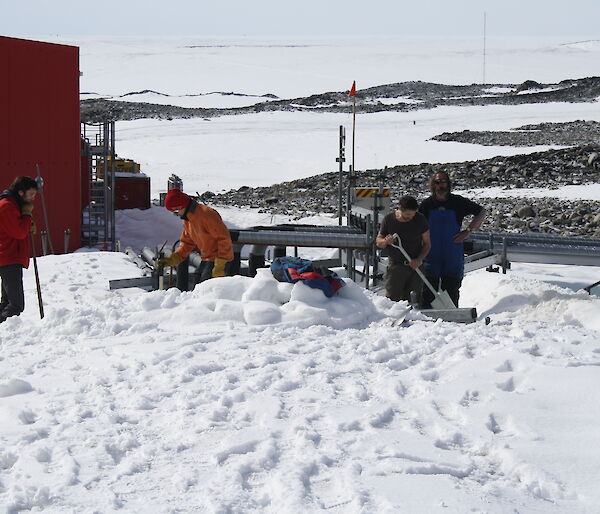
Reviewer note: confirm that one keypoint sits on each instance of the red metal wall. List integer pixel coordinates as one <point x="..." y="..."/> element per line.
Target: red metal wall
<point x="39" y="124"/>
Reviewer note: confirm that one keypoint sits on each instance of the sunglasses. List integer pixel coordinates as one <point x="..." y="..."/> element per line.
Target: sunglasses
<point x="440" y="181"/>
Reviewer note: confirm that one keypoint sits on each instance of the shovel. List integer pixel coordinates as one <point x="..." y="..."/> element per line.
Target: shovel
<point x="441" y="299"/>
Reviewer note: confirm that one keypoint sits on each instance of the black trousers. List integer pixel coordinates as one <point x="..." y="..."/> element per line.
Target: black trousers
<point x="400" y="281"/>
<point x="13" y="299"/>
<point x="204" y="271"/>
<point x="449" y="284"/>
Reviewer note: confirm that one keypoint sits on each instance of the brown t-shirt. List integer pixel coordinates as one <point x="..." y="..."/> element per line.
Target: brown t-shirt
<point x="410" y="233"/>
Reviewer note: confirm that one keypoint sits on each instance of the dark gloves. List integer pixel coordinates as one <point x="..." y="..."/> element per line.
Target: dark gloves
<point x="172" y="260"/>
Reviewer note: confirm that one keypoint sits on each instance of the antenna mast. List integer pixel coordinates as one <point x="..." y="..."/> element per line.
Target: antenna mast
<point x="484" y="37"/>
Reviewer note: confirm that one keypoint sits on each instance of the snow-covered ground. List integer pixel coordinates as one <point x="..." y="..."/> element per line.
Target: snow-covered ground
<point x="266" y="148"/>
<point x="574" y="192"/>
<point x="248" y="395"/>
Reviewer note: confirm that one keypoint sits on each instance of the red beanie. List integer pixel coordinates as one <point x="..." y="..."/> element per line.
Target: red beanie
<point x="176" y="200"/>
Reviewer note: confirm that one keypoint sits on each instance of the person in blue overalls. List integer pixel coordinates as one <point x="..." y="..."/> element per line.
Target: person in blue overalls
<point x="445" y="213"/>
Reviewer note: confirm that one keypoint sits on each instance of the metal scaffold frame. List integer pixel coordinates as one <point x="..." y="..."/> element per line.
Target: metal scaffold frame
<point x="98" y="217"/>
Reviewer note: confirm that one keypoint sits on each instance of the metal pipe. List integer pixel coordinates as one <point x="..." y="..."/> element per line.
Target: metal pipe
<point x="341" y="159"/>
<point x="149" y="255"/>
<point x="195" y="259"/>
<point x="113" y="185"/>
<point x="67" y="239"/>
<point x="288" y="227"/>
<point x="305" y="239"/>
<point x="139" y="262"/>
<point x="44" y="236"/>
<point x="105" y="153"/>
<point x="480" y="237"/>
<point x="366" y="253"/>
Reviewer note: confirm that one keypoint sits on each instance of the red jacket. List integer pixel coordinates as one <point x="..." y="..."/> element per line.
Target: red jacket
<point x="204" y="229"/>
<point x="14" y="234"/>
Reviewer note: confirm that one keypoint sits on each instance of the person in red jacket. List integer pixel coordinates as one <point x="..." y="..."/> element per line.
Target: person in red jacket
<point x="204" y="230"/>
<point x="16" y="206"/>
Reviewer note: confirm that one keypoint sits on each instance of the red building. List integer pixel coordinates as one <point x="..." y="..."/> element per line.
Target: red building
<point x="39" y="125"/>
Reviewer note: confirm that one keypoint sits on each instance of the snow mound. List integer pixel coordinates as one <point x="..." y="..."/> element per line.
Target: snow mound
<point x="262" y="301"/>
<point x="13" y="387"/>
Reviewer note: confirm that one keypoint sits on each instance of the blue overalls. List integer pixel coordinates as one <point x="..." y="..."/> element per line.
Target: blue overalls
<point x="446" y="258"/>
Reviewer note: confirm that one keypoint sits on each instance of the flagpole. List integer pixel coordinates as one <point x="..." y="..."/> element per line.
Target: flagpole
<point x="352" y="171"/>
<point x="353" y="129"/>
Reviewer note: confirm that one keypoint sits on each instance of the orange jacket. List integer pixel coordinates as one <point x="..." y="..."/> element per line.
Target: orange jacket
<point x="204" y="230"/>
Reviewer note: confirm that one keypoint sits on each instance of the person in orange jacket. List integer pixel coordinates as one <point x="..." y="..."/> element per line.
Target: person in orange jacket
<point x="204" y="230"/>
<point x="16" y="223"/>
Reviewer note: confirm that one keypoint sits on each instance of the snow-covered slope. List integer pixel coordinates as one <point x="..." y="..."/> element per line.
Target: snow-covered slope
<point x="247" y="395"/>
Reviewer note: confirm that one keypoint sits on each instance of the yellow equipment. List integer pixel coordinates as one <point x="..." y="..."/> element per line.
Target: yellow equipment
<point x="121" y="166"/>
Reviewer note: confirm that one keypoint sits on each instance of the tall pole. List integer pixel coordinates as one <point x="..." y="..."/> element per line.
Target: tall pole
<point x="353" y="129"/>
<point x="341" y="159"/>
<point x="351" y="171"/>
<point x="37" y="277"/>
<point x="40" y="182"/>
<point x="484" y="41"/>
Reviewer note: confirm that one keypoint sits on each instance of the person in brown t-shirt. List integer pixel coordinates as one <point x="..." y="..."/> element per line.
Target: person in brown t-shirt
<point x="413" y="230"/>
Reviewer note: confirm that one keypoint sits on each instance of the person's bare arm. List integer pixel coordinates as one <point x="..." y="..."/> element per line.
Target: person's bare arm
<point x="382" y="241"/>
<point x="417" y="261"/>
<point x="472" y="227"/>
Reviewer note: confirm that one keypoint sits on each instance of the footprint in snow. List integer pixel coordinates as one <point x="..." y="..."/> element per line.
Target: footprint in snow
<point x="492" y="425"/>
<point x="401" y="390"/>
<point x="505" y="367"/>
<point x="508" y="386"/>
<point x="27" y="417"/>
<point x="7" y="460"/>
<point x="456" y="441"/>
<point x="350" y="427"/>
<point x="382" y="419"/>
<point x="468" y="398"/>
<point x="287" y="385"/>
<point x="239" y="449"/>
<point x="430" y="376"/>
<point x="43" y="455"/>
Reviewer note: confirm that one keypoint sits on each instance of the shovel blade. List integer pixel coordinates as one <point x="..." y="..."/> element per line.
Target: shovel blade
<point x="442" y="300"/>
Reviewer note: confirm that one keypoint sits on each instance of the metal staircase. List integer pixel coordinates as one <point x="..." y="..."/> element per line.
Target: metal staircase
<point x="98" y="217"/>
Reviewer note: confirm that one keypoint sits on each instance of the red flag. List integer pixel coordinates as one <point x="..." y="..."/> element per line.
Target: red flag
<point x="353" y="89"/>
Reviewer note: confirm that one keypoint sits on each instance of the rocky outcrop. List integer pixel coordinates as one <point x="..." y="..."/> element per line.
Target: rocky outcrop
<point x="564" y="134"/>
<point x="550" y="169"/>
<point x="403" y="96"/>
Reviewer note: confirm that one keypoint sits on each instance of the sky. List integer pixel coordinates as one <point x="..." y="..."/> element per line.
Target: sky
<point x="306" y="18"/>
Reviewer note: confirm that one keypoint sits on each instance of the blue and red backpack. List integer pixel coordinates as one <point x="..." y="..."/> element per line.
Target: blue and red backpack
<point x="293" y="269"/>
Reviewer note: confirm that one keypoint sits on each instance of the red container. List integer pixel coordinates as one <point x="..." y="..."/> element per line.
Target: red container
<point x="132" y="191"/>
<point x="39" y="124"/>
